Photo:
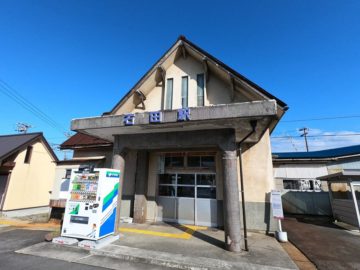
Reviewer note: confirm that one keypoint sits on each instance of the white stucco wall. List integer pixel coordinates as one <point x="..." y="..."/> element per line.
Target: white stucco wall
<point x="30" y="184"/>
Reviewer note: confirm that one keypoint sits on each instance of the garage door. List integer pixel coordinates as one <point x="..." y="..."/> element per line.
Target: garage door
<point x="188" y="198"/>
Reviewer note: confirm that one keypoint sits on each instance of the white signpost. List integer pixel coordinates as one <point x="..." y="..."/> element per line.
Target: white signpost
<point x="278" y="214"/>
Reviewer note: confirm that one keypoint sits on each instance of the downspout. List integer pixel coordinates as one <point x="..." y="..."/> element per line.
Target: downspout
<point x="253" y="124"/>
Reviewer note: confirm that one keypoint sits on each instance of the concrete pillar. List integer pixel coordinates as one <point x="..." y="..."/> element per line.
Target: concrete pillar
<point x="141" y="182"/>
<point x="231" y="202"/>
<point x="118" y="163"/>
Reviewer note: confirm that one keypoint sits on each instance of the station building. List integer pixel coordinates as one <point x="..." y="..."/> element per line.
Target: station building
<point x="192" y="138"/>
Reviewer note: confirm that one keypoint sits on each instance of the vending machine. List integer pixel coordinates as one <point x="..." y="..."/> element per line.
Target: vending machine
<point x="90" y="211"/>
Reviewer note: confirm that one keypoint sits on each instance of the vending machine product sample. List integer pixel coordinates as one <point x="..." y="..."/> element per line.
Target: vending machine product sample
<point x="90" y="211"/>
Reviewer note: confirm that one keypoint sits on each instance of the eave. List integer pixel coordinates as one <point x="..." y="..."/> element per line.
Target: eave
<point x="236" y="116"/>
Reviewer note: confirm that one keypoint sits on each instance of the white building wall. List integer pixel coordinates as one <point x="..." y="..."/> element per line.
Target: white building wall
<point x="299" y="171"/>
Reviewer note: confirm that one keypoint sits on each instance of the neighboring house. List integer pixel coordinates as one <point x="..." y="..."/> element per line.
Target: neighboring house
<point x="296" y="172"/>
<point x="178" y="135"/>
<point x="27" y="168"/>
<point x="88" y="151"/>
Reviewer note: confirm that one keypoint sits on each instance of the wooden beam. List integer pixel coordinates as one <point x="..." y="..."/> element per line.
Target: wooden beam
<point x="183" y="49"/>
<point x="232" y="86"/>
<point x="206" y="68"/>
<point x="162" y="72"/>
<point x="142" y="98"/>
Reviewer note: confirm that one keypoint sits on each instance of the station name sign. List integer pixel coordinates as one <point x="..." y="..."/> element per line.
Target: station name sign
<point x="157" y="117"/>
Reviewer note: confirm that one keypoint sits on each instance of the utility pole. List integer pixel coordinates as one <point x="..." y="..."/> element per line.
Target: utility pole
<point x="305" y="133"/>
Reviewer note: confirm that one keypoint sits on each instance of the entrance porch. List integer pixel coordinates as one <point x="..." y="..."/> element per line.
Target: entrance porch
<point x="204" y="188"/>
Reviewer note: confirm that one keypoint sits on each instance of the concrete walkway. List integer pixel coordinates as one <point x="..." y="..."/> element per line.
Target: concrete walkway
<point x="173" y="246"/>
<point x="325" y="244"/>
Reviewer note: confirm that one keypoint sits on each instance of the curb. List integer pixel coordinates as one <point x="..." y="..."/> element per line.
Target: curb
<point x="176" y="261"/>
<point x="136" y="255"/>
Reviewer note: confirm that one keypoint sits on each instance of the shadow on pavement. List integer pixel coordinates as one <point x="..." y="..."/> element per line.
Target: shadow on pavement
<point x="200" y="235"/>
<point x="324" y="221"/>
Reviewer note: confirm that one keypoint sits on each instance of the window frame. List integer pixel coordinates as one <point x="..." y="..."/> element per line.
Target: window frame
<point x="169" y="94"/>
<point x="200" y="89"/>
<point x="184" y="92"/>
<point x="201" y="162"/>
<point x="195" y="186"/>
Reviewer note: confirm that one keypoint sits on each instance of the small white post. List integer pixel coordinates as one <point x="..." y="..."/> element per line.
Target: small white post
<point x="280" y="228"/>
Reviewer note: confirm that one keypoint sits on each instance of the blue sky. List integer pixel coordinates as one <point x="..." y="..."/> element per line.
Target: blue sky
<point x="77" y="58"/>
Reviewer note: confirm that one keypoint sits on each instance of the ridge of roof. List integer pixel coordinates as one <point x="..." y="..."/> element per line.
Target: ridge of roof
<point x="208" y="55"/>
<point x="326" y="153"/>
<point x="21" y="134"/>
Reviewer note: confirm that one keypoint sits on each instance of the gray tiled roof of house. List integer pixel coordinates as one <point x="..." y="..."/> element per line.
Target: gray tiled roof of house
<point x="9" y="144"/>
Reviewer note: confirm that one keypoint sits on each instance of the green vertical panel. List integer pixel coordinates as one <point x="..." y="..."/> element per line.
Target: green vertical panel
<point x="200" y="89"/>
<point x="169" y="94"/>
<point x="184" y="92"/>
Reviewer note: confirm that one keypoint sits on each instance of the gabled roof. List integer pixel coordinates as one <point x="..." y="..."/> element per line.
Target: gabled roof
<point x="186" y="44"/>
<point x="83" y="140"/>
<point x="323" y="154"/>
<point x="10" y="144"/>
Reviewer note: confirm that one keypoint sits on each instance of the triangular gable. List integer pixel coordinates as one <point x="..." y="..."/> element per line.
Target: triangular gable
<point x="212" y="65"/>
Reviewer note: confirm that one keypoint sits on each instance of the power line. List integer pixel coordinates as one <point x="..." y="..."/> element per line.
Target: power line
<point x="13" y="94"/>
<point x="323" y="135"/>
<point x="25" y="105"/>
<point x="321" y="118"/>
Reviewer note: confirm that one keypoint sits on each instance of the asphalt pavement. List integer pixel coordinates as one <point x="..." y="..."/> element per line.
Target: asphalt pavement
<point x="325" y="244"/>
<point x="13" y="239"/>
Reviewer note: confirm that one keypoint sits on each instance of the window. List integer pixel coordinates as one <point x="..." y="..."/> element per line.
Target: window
<point x="205" y="180"/>
<point x="174" y="161"/>
<point x="188" y="185"/>
<point x="194" y="161"/>
<point x="169" y="94"/>
<point x="207" y="162"/>
<point x="191" y="160"/>
<point x="186" y="179"/>
<point x="206" y="186"/>
<point x="201" y="161"/>
<point x="28" y="154"/>
<point x="167" y="185"/>
<point x="200" y="89"/>
<point x="167" y="179"/>
<point x="302" y="184"/>
<point x="184" y="91"/>
<point x="68" y="174"/>
<point x="168" y="191"/>
<point x="186" y="191"/>
<point x="206" y="192"/>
